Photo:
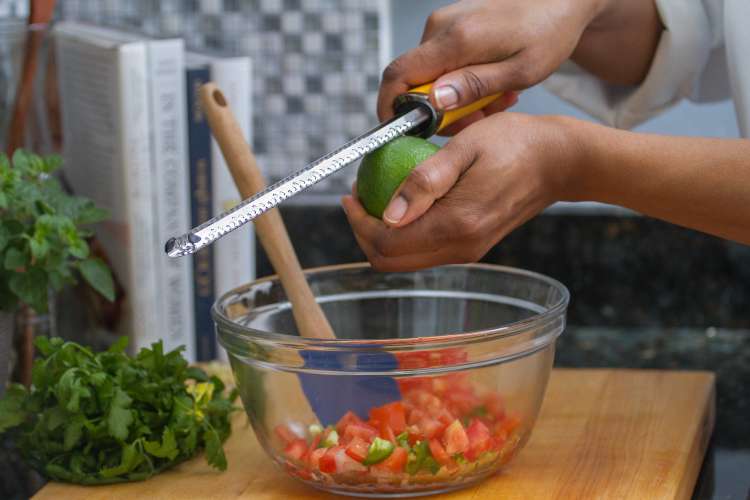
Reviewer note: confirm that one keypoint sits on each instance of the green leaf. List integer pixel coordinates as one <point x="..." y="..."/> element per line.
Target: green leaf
<point x="12" y="413"/>
<point x="3" y="200"/>
<point x="214" y="451"/>
<point x="39" y="248"/>
<point x="4" y="163"/>
<point x="129" y="460"/>
<point x="120" y="345"/>
<point x="120" y="417"/>
<point x="21" y="160"/>
<point x="31" y="288"/>
<point x="4" y="235"/>
<point x="73" y="433"/>
<point x="167" y="448"/>
<point x="79" y="248"/>
<point x="56" y="417"/>
<point x="52" y="163"/>
<point x="97" y="274"/>
<point x="14" y="259"/>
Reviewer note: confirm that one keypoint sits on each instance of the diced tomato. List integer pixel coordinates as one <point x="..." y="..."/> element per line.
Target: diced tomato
<point x="313" y="459"/>
<point x="411" y="360"/>
<point x="425" y="401"/>
<point x="509" y="423"/>
<point x="315" y="442"/>
<point x="497" y="442"/>
<point x="327" y="462"/>
<point x="430" y="427"/>
<point x="495" y="405"/>
<point x="479" y="439"/>
<point x="415" y="383"/>
<point x="361" y="430"/>
<point x="455" y="438"/>
<point x="392" y="415"/>
<point x="387" y="433"/>
<point x="440" y="385"/>
<point x="285" y="434"/>
<point x="445" y="417"/>
<point x="413" y="434"/>
<point x="395" y="462"/>
<point x="415" y="416"/>
<point x="357" y="449"/>
<point x="461" y="402"/>
<point x="439" y="453"/>
<point x="453" y="356"/>
<point x="349" y="418"/>
<point x="345" y="463"/>
<point x="296" y="450"/>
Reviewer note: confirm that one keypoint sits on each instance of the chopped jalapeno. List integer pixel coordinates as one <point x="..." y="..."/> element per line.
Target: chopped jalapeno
<point x="332" y="439"/>
<point x="379" y="450"/>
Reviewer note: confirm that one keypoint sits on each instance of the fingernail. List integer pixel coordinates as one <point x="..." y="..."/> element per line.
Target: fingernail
<point x="446" y="97"/>
<point x="395" y="210"/>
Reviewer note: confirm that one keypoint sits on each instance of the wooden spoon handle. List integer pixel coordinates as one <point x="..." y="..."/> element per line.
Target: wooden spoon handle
<point x="308" y="315"/>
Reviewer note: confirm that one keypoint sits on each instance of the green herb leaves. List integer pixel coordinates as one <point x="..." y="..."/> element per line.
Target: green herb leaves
<point x="42" y="242"/>
<point x="96" y="418"/>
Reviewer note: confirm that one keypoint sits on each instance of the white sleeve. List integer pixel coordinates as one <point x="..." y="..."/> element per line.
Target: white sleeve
<point x="689" y="62"/>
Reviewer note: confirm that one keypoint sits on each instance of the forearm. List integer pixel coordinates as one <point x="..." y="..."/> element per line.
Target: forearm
<point x="619" y="44"/>
<point x="699" y="183"/>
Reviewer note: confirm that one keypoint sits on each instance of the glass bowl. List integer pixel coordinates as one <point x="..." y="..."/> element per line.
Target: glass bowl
<point x="473" y="347"/>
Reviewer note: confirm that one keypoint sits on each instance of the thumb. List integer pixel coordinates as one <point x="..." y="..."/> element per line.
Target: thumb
<point x="463" y="86"/>
<point x="427" y="183"/>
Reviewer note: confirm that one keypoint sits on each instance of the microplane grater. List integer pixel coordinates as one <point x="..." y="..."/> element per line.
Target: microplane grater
<point x="249" y="209"/>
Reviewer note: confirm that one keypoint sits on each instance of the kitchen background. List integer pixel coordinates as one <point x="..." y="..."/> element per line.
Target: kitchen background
<point x="644" y="293"/>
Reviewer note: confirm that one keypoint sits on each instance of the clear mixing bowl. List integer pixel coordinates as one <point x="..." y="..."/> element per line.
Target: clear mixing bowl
<point x="470" y="348"/>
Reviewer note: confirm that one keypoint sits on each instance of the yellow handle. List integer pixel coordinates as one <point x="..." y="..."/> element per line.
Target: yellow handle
<point x="453" y="115"/>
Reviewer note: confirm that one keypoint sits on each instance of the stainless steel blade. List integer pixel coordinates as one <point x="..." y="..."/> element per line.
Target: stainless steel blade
<point x="213" y="229"/>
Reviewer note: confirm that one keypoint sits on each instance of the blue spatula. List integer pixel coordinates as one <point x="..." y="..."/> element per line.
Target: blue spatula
<point x="330" y="396"/>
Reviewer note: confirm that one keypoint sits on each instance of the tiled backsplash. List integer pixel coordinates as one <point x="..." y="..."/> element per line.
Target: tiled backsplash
<point x="316" y="64"/>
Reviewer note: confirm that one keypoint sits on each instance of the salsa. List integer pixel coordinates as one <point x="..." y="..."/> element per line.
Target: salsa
<point x="443" y="428"/>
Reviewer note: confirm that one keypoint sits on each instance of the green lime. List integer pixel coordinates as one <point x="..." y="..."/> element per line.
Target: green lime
<point x="382" y="171"/>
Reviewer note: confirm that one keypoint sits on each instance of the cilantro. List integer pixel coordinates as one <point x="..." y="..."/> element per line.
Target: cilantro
<point x="95" y="418"/>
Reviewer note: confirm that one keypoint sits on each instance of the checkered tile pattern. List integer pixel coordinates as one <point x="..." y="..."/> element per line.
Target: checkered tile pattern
<point x="316" y="65"/>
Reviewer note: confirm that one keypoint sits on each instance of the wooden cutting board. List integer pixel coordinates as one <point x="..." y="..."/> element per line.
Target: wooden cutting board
<point x="601" y="434"/>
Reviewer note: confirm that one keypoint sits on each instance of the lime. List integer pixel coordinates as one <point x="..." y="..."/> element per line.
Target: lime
<point x="383" y="170"/>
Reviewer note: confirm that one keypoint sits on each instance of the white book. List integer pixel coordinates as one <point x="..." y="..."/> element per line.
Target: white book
<point x="170" y="170"/>
<point x="103" y="85"/>
<point x="234" y="254"/>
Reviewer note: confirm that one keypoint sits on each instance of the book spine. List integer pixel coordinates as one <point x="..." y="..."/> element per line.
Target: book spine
<point x="234" y="254"/>
<point x="169" y="168"/>
<point x="135" y="154"/>
<point x="199" y="153"/>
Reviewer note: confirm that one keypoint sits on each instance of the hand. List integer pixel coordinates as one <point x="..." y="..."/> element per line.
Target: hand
<point x="472" y="49"/>
<point x="483" y="183"/>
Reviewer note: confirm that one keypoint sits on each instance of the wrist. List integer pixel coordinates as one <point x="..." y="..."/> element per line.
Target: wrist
<point x="573" y="157"/>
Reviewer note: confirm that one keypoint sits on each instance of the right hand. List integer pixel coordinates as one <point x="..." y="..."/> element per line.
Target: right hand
<point x="475" y="48"/>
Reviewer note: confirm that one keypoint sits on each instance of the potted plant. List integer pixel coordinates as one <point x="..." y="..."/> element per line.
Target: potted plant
<point x="42" y="243"/>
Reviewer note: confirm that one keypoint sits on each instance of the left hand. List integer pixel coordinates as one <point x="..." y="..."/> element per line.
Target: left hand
<point x="486" y="181"/>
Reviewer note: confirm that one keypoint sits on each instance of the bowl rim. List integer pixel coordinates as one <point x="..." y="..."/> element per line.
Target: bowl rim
<point x="230" y="327"/>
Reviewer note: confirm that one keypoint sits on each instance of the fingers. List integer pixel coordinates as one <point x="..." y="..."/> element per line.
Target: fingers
<point x="506" y="101"/>
<point x="463" y="86"/>
<point x="420" y="65"/>
<point x="390" y="249"/>
<point x="427" y="183"/>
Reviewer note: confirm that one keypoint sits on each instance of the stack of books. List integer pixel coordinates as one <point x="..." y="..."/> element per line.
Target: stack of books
<point x="137" y="142"/>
